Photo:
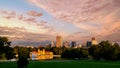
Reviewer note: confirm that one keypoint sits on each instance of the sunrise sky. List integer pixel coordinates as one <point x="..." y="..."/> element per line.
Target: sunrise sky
<point x="75" y="20"/>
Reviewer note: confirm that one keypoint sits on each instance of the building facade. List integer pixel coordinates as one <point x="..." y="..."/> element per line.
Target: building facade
<point x="66" y="44"/>
<point x="89" y="43"/>
<point x="41" y="54"/>
<point x="58" y="41"/>
<point x="73" y="44"/>
<point x="93" y="41"/>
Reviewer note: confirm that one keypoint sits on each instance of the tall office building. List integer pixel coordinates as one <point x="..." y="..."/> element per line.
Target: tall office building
<point x="58" y="41"/>
<point x="93" y="40"/>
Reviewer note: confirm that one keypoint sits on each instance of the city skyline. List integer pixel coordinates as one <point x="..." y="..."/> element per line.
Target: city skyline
<point x="25" y="21"/>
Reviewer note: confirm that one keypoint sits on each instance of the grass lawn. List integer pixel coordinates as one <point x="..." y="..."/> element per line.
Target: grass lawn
<point x="65" y="64"/>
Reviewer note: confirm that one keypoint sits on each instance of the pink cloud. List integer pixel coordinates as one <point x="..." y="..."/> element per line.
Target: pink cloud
<point x="20" y="17"/>
<point x="30" y="20"/>
<point x="21" y="34"/>
<point x="34" y="13"/>
<point x="72" y="10"/>
<point x="99" y="17"/>
<point x="42" y="23"/>
<point x="3" y="12"/>
<point x="8" y="17"/>
<point x="33" y="24"/>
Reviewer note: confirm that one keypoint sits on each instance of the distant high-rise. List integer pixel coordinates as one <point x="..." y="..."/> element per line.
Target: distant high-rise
<point x="73" y="44"/>
<point x="89" y="43"/>
<point x="66" y="44"/>
<point x="93" y="40"/>
<point x="58" y="41"/>
<point x="52" y="44"/>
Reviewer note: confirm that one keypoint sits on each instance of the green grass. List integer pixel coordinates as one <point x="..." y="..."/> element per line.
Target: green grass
<point x="65" y="64"/>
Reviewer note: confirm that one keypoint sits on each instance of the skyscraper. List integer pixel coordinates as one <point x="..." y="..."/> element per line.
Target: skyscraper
<point x="58" y="41"/>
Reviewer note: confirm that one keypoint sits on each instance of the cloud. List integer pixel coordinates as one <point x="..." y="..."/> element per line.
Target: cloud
<point x="21" y="34"/>
<point x="16" y="20"/>
<point x="34" y="13"/>
<point x="3" y="12"/>
<point x="7" y="15"/>
<point x="25" y="28"/>
<point x="95" y="17"/>
<point x="73" y="11"/>
<point x="30" y="20"/>
<point x="20" y="17"/>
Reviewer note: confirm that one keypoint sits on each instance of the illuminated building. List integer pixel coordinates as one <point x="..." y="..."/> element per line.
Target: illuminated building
<point x="41" y="54"/>
<point x="58" y="41"/>
<point x="93" y="40"/>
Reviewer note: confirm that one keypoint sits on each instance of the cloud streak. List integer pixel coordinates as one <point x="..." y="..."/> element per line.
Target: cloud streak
<point x="25" y="27"/>
<point x="96" y="17"/>
<point x="21" y="34"/>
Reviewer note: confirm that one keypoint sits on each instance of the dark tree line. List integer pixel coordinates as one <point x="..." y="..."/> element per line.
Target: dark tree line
<point x="104" y="50"/>
<point x="73" y="53"/>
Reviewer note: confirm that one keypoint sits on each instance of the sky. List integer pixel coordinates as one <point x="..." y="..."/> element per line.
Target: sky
<point x="24" y="21"/>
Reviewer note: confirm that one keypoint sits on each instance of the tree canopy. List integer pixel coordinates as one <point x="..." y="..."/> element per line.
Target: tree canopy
<point x="5" y="50"/>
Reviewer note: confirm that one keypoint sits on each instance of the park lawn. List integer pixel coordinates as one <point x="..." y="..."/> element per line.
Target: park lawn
<point x="65" y="64"/>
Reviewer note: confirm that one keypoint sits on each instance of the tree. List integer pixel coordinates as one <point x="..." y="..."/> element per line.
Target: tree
<point x="116" y="51"/>
<point x="56" y="50"/>
<point x="94" y="51"/>
<point x="3" y="41"/>
<point x="73" y="53"/>
<point x="9" y="52"/>
<point x="23" y="55"/>
<point x="84" y="53"/>
<point x="5" y="48"/>
<point x="22" y="62"/>
<point x="106" y="50"/>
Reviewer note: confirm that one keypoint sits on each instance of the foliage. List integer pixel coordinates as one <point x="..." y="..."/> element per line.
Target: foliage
<point x="3" y="56"/>
<point x="56" y="50"/>
<point x="9" y="52"/>
<point x="73" y="53"/>
<point x="95" y="51"/>
<point x="23" y="51"/>
<point x="5" y="48"/>
<point x="105" y="50"/>
<point x="23" y="55"/>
